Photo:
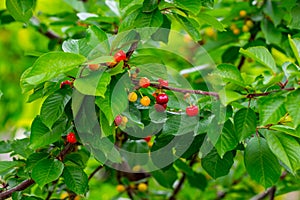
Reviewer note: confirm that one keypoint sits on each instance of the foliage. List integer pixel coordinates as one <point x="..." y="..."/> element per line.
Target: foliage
<point x="236" y="63"/>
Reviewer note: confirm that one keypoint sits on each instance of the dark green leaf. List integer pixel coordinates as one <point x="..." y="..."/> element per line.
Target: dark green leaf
<point x="245" y="123"/>
<point x="46" y="171"/>
<point x="190" y="26"/>
<point x="216" y="166"/>
<point x="227" y="140"/>
<point x="165" y="178"/>
<point x="53" y="107"/>
<point x="149" y="5"/>
<point x="197" y="180"/>
<point x="41" y="135"/>
<point x="261" y="164"/>
<point x="272" y="34"/>
<point x="75" y="179"/>
<point x="295" y="45"/>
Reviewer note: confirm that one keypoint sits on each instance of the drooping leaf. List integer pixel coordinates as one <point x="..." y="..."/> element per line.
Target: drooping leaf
<point x="292" y="106"/>
<point x="46" y="171"/>
<point x="197" y="180"/>
<point x="272" y="34"/>
<point x="75" y="179"/>
<point x="216" y="166"/>
<point x="189" y="26"/>
<point x="245" y="123"/>
<point x="261" y="55"/>
<point x="41" y="135"/>
<point x="94" y="84"/>
<point x="165" y="178"/>
<point x="261" y="164"/>
<point x="53" y="107"/>
<point x="49" y="66"/>
<point x="286" y="148"/>
<point x="149" y="5"/>
<point x="271" y="110"/>
<point x="295" y="45"/>
<point x="227" y="140"/>
<point x="21" y="10"/>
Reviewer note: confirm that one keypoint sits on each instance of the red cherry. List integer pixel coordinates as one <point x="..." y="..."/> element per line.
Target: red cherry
<point x="160" y="107"/>
<point x="67" y="82"/>
<point x="162" y="98"/>
<point x="148" y="138"/>
<point x="144" y="82"/>
<point x="192" y="110"/>
<point x="163" y="82"/>
<point x="118" y="120"/>
<point x="71" y="138"/>
<point x="119" y="56"/>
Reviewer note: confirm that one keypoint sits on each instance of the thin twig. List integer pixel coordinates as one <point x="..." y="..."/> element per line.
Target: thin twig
<point x="252" y="95"/>
<point x="95" y="171"/>
<point x="270" y="191"/>
<point x="133" y="47"/>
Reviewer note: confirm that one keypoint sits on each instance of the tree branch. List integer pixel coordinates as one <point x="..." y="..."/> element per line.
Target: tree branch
<point x="22" y="186"/>
<point x="133" y="46"/>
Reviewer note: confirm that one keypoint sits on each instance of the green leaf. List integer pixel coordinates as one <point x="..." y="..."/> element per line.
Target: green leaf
<point x="193" y="6"/>
<point x="216" y="166"/>
<point x="295" y="19"/>
<point x="49" y="66"/>
<point x="211" y="20"/>
<point x="189" y="26"/>
<point x="46" y="171"/>
<point x="227" y="140"/>
<point x="245" y="123"/>
<point x="291" y="105"/>
<point x="271" y="110"/>
<point x="286" y="129"/>
<point x="75" y="179"/>
<point x="106" y="127"/>
<point x="295" y="45"/>
<point x="286" y="148"/>
<point x="261" y="164"/>
<point x="230" y="73"/>
<point x="8" y="165"/>
<point x="165" y="178"/>
<point x="152" y="19"/>
<point x="118" y="97"/>
<point x="105" y="105"/>
<point x="117" y="69"/>
<point x="271" y="33"/>
<point x="261" y="55"/>
<point x="1" y="93"/>
<point x="180" y="125"/>
<point x="5" y="146"/>
<point x="21" y="10"/>
<point x="207" y="3"/>
<point x="35" y="158"/>
<point x="227" y="96"/>
<point x="21" y="147"/>
<point x="197" y="180"/>
<point x="94" y="84"/>
<point x="41" y="135"/>
<point x="53" y="107"/>
<point x="149" y="5"/>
